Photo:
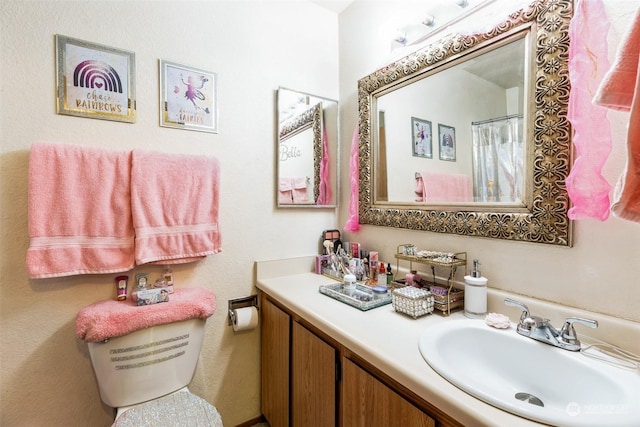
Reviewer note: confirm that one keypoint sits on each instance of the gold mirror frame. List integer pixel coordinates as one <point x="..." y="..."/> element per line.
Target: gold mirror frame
<point x="546" y="220"/>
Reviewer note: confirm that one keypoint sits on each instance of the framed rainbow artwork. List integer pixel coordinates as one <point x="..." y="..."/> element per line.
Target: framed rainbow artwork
<point x="95" y="81"/>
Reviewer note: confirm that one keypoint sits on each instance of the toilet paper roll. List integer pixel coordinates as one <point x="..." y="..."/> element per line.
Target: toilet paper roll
<point x="245" y="319"/>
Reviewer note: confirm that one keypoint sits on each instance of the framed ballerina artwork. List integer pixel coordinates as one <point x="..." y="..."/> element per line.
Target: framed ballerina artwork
<point x="422" y="133"/>
<point x="188" y="98"/>
<point x="94" y="81"/>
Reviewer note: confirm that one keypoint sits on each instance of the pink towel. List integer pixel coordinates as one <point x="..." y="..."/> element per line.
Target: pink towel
<point x="443" y="187"/>
<point x="109" y="319"/>
<point x="618" y="86"/>
<point x="79" y="211"/>
<point x="174" y="199"/>
<point x="285" y="195"/>
<point x="293" y="190"/>
<point x="300" y="190"/>
<point x="620" y="90"/>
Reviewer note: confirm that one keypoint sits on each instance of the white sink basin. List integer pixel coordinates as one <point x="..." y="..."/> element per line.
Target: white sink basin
<point x="518" y="375"/>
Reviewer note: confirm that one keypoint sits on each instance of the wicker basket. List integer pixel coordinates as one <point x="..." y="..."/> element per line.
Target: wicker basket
<point x="415" y="302"/>
<point x="445" y="303"/>
<point x="395" y="284"/>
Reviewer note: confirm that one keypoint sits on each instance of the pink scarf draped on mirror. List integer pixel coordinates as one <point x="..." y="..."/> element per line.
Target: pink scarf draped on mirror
<point x="587" y="188"/>
<point x="324" y="198"/>
<point x="352" y="223"/>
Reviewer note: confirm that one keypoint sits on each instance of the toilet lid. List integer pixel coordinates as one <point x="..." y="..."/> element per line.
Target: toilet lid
<point x="181" y="409"/>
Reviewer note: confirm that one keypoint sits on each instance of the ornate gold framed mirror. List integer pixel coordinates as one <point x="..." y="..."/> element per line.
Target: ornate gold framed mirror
<point x="419" y="135"/>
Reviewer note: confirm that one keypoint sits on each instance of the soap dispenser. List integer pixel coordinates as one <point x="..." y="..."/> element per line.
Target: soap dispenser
<point x="475" y="293"/>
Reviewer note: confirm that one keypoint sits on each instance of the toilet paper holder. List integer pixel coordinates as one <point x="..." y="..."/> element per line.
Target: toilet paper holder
<point x="250" y="301"/>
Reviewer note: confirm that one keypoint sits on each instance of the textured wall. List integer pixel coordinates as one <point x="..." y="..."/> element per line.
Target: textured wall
<point x="254" y="47"/>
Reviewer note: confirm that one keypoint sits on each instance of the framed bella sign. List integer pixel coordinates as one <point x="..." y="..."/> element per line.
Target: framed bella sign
<point x="188" y="98"/>
<point x="95" y="81"/>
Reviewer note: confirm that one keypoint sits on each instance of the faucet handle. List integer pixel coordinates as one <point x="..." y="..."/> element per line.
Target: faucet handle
<point x="568" y="333"/>
<point x="521" y="306"/>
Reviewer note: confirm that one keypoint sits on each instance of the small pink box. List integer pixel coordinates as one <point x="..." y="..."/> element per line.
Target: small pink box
<point x="322" y="261"/>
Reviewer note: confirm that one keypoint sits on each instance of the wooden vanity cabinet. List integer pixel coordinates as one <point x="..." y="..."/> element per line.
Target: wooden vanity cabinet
<point x="275" y="343"/>
<point x="313" y="379"/>
<point x="298" y="373"/>
<point x="367" y="402"/>
<point x="308" y="380"/>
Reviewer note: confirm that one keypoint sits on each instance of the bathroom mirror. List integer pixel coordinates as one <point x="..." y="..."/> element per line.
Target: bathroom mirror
<point x="468" y="135"/>
<point x="307" y="150"/>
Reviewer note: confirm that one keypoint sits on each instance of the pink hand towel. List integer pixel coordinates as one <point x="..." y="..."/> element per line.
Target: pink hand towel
<point x="620" y="90"/>
<point x="446" y="187"/>
<point x="79" y="211"/>
<point x="300" y="190"/>
<point x="174" y="199"/>
<point x="285" y="190"/>
<point x="109" y="319"/>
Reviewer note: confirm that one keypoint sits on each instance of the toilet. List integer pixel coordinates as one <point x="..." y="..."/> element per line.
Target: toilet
<point x="145" y="373"/>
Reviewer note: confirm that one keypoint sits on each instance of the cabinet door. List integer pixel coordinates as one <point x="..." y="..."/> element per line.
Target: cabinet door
<point x="366" y="402"/>
<point x="313" y="380"/>
<point x="275" y="365"/>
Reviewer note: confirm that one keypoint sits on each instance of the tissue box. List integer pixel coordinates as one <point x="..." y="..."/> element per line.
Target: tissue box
<point x="415" y="302"/>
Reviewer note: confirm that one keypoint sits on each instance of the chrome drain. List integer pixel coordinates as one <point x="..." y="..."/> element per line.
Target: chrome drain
<point x="529" y="398"/>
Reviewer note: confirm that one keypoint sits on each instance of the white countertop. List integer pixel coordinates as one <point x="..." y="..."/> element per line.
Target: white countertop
<point x="387" y="339"/>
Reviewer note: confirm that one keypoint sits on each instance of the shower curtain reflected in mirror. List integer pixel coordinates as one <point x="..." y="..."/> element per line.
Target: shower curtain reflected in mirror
<point x="498" y="158"/>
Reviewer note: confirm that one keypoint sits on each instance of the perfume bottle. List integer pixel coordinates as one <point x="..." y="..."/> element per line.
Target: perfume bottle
<point x="167" y="275"/>
<point x="121" y="287"/>
<point x="382" y="275"/>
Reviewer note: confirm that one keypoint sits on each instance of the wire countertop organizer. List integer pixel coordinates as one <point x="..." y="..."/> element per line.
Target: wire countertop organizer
<point x="451" y="260"/>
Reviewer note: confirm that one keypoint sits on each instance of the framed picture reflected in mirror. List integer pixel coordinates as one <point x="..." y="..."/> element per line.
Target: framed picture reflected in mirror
<point x="447" y="142"/>
<point x="422" y="136"/>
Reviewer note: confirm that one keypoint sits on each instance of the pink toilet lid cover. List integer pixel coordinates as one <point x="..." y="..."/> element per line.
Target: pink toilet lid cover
<point x="108" y="319"/>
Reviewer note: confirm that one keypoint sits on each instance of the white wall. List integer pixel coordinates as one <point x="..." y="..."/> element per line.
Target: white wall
<point x="598" y="273"/>
<point x="254" y="47"/>
<point x="441" y="104"/>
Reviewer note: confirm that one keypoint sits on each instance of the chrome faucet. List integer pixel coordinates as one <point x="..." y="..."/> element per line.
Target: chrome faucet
<point x="541" y="330"/>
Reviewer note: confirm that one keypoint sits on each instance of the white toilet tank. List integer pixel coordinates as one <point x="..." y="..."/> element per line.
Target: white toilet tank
<point x="148" y="363"/>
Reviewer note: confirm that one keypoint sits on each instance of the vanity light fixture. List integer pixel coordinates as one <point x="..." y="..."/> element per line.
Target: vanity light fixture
<point x="401" y="37"/>
<point x="429" y="20"/>
<point x="410" y="33"/>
